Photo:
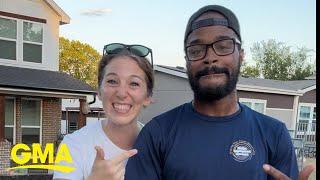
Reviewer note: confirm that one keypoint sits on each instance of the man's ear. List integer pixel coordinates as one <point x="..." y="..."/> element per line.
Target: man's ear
<point x="241" y="56"/>
<point x="187" y="62"/>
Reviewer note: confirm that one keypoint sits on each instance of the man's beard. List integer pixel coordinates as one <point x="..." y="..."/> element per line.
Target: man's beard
<point x="207" y="94"/>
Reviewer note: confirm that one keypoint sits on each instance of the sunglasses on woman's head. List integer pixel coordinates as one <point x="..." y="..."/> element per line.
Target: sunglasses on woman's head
<point x="138" y="50"/>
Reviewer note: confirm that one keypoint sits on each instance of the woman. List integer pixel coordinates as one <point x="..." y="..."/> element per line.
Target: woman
<point x="125" y="82"/>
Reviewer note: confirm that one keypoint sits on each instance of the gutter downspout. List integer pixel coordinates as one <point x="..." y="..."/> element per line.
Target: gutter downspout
<point x="94" y="99"/>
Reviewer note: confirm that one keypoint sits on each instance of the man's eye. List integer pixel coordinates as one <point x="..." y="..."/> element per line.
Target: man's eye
<point x="222" y="47"/>
<point x="195" y="52"/>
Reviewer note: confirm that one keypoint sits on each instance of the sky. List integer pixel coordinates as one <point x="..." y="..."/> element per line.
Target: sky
<point x="160" y="25"/>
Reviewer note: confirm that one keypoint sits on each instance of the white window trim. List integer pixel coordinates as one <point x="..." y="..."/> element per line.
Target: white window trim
<point x="13" y="40"/>
<point x="31" y="126"/>
<point x="14" y="119"/>
<point x="255" y="101"/>
<point x="8" y="39"/>
<point x="310" y="119"/>
<point x="30" y="42"/>
<point x="307" y="104"/>
<point x="40" y="127"/>
<point x="280" y="109"/>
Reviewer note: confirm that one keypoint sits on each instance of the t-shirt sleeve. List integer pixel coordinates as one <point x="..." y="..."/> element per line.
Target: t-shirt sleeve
<point x="146" y="164"/>
<point x="77" y="160"/>
<point x="285" y="157"/>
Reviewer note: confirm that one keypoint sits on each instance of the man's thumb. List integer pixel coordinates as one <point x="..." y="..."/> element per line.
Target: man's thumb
<point x="100" y="153"/>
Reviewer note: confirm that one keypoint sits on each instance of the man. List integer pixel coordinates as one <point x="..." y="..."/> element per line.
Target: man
<point x="214" y="136"/>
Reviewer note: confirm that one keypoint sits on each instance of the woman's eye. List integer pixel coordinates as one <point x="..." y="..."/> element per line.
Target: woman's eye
<point x="111" y="81"/>
<point x="135" y="84"/>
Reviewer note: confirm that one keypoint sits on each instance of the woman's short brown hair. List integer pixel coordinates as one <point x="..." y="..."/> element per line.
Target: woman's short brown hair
<point x="142" y="62"/>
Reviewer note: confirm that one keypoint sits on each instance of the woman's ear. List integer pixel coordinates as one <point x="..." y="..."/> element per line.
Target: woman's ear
<point x="147" y="102"/>
<point x="99" y="94"/>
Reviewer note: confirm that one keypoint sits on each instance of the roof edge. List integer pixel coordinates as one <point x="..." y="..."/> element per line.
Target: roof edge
<point x="267" y="90"/>
<point x="307" y="89"/>
<point x="239" y="86"/>
<point x="170" y="71"/>
<point x="65" y="19"/>
<point x="29" y="92"/>
<point x="47" y="89"/>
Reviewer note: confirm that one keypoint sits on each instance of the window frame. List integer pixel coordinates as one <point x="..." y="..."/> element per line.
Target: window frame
<point x="252" y="101"/>
<point x="40" y="126"/>
<point x="31" y="42"/>
<point x="310" y="119"/>
<point x="12" y="40"/>
<point x="14" y="119"/>
<point x="20" y="41"/>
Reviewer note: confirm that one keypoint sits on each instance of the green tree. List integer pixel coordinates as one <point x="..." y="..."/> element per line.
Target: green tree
<point x="249" y="70"/>
<point x="275" y="60"/>
<point x="79" y="60"/>
<point x="301" y="69"/>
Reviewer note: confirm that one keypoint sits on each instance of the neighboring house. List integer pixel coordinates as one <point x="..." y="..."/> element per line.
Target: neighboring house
<point x="31" y="88"/>
<point x="292" y="102"/>
<point x="312" y="77"/>
<point x="287" y="101"/>
<point x="70" y="112"/>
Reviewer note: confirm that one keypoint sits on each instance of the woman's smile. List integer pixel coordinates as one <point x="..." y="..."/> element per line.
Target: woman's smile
<point x="121" y="107"/>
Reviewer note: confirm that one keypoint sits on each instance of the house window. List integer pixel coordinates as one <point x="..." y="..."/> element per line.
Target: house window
<point x="258" y="105"/>
<point x="8" y="39"/>
<point x="31" y="121"/>
<point x="9" y="120"/>
<point x="314" y="120"/>
<point x="307" y="118"/>
<point x="72" y="127"/>
<point x="32" y="42"/>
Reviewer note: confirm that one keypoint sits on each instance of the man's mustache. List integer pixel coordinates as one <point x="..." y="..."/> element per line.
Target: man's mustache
<point x="213" y="69"/>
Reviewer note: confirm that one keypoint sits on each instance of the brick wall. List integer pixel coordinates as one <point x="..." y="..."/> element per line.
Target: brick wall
<point x="5" y="147"/>
<point x="51" y="119"/>
<point x="18" y="120"/>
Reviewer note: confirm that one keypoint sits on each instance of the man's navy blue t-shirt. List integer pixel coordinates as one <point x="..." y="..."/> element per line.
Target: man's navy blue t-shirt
<point x="183" y="144"/>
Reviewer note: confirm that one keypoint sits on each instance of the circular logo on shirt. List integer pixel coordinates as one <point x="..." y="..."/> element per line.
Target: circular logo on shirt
<point x="241" y="151"/>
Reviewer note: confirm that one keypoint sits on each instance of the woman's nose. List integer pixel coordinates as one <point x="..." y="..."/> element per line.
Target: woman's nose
<point x="122" y="92"/>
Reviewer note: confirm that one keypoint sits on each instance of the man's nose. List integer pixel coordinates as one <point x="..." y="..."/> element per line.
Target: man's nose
<point x="211" y="56"/>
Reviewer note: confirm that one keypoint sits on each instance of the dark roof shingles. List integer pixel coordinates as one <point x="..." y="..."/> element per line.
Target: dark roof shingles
<point x="41" y="79"/>
<point x="285" y="85"/>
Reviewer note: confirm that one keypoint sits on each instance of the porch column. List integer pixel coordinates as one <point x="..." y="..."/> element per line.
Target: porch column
<point x="2" y="117"/>
<point x="82" y="115"/>
<point x="295" y="116"/>
<point x="5" y="146"/>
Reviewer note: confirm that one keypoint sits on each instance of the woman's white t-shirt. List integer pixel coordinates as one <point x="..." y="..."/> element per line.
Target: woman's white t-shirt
<point x="81" y="145"/>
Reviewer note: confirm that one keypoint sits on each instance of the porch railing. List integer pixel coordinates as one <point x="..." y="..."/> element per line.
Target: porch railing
<point x="306" y="131"/>
<point x="304" y="141"/>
